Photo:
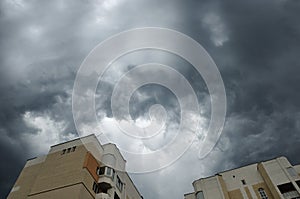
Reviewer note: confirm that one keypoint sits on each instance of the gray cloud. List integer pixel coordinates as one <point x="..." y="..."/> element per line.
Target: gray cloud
<point x="255" y="45"/>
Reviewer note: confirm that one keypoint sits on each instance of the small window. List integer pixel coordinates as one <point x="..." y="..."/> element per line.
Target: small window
<point x="108" y="171"/>
<point x="73" y="148"/>
<point x="243" y="182"/>
<point x="63" y="151"/>
<point x="262" y="193"/>
<point x="287" y="187"/>
<point x="100" y="170"/>
<point x="298" y="183"/>
<point x="96" y="188"/>
<point x="113" y="174"/>
<point x="119" y="183"/>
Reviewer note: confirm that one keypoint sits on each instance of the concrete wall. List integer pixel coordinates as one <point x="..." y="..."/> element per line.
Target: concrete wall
<point x="69" y="171"/>
<point x="244" y="182"/>
<point x="25" y="181"/>
<point x="210" y="186"/>
<point x="76" y="191"/>
<point x="60" y="170"/>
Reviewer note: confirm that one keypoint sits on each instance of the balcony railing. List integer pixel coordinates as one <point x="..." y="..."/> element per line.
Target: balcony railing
<point x="102" y="196"/>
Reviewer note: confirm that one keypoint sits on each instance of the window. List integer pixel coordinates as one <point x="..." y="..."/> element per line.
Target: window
<point x="73" y="148"/>
<point x="199" y="195"/>
<point x="243" y="182"/>
<point x="298" y="183"/>
<point x="113" y="174"/>
<point x="63" y="152"/>
<point x="100" y="170"/>
<point x="119" y="183"/>
<point x="262" y="193"/>
<point x="96" y="188"/>
<point x="108" y="171"/>
<point x="288" y="190"/>
<point x="287" y="187"/>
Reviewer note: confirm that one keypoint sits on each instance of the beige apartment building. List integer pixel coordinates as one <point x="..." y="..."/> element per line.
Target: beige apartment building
<point x="75" y="169"/>
<point x="272" y="179"/>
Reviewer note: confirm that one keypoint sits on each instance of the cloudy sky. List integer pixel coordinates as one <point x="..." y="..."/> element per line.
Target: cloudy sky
<point x="255" y="45"/>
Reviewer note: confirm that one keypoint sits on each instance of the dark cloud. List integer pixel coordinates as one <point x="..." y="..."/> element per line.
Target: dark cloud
<point x="255" y="44"/>
<point x="262" y="88"/>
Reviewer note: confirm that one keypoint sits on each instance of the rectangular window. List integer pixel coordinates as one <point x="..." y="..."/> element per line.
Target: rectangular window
<point x="283" y="188"/>
<point x="108" y="171"/>
<point x="63" y="152"/>
<point x="288" y="190"/>
<point x="113" y="174"/>
<point x="100" y="171"/>
<point x="119" y="183"/>
<point x="73" y="149"/>
<point x="298" y="183"/>
<point x="96" y="188"/>
<point x="243" y="182"/>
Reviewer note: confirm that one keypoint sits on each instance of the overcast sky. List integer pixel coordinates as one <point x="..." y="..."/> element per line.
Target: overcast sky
<point x="255" y="44"/>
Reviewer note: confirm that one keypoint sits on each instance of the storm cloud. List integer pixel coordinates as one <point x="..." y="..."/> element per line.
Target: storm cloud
<point x="255" y="45"/>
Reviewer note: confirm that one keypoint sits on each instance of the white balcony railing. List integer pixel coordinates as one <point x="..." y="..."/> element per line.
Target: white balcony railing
<point x="102" y="196"/>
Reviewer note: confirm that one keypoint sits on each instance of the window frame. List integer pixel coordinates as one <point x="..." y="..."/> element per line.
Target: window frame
<point x="73" y="149"/>
<point x="96" y="188"/>
<point x="262" y="193"/>
<point x="119" y="183"/>
<point x="243" y="182"/>
<point x="63" y="151"/>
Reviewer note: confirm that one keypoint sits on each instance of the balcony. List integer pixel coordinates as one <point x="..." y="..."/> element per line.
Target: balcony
<point x="106" y="178"/>
<point x="105" y="183"/>
<point x="288" y="191"/>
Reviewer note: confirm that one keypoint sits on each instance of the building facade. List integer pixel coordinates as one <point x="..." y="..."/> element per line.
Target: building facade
<point x="76" y="169"/>
<point x="273" y="179"/>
